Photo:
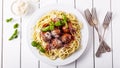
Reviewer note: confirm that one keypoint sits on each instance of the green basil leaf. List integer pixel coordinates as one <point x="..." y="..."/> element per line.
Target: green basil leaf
<point x="52" y="27"/>
<point x="65" y="20"/>
<point x="9" y="20"/>
<point x="58" y="23"/>
<point x="64" y="17"/>
<point x="46" y="28"/>
<point x="34" y="44"/>
<point x="38" y="46"/>
<point x="15" y="25"/>
<point x="52" y="23"/>
<point x="41" y="49"/>
<point x="14" y="35"/>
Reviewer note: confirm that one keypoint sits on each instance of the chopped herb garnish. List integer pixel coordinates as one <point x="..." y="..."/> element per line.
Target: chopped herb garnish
<point x="64" y="17"/>
<point x="52" y="23"/>
<point x="41" y="49"/>
<point x="65" y="20"/>
<point x="9" y="20"/>
<point x="52" y="27"/>
<point x="46" y="29"/>
<point x="14" y="35"/>
<point x="58" y="23"/>
<point x="36" y="44"/>
<point x="16" y="25"/>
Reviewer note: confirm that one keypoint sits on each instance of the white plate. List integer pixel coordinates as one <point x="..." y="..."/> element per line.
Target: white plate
<point x="84" y="31"/>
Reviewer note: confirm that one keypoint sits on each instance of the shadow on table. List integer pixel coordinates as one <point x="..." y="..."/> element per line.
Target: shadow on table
<point x="89" y="49"/>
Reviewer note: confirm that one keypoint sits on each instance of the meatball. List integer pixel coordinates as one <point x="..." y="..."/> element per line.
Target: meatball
<point x="46" y="36"/>
<point x="66" y="38"/>
<point x="72" y="30"/>
<point x="55" y="33"/>
<point x="56" y="43"/>
<point x="65" y="29"/>
<point x="48" y="46"/>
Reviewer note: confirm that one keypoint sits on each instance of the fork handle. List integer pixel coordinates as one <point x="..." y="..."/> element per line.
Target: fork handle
<point x="103" y="47"/>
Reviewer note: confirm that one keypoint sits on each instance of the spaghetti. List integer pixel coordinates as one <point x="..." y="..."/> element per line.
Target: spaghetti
<point x="56" y="46"/>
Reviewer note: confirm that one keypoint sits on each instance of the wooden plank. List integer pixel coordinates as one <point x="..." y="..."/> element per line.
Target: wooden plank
<point x="0" y="10"/>
<point x="87" y="59"/>
<point x="45" y="65"/>
<point x="116" y="33"/>
<point x="105" y="61"/>
<point x="11" y="49"/>
<point x="71" y="65"/>
<point x="69" y="3"/>
<point x="44" y="3"/>
<point x="0" y="32"/>
<point x="28" y="60"/>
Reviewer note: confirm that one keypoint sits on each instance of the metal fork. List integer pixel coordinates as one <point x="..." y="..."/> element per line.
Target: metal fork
<point x="106" y="23"/>
<point x="93" y="21"/>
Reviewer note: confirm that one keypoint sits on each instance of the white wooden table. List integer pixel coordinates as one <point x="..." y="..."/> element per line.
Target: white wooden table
<point x="16" y="54"/>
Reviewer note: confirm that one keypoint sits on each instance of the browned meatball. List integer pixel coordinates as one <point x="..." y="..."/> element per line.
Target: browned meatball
<point x="65" y="29"/>
<point x="55" y="33"/>
<point x="46" y="36"/>
<point x="72" y="30"/>
<point x="48" y="46"/>
<point x="66" y="38"/>
<point x="56" y="43"/>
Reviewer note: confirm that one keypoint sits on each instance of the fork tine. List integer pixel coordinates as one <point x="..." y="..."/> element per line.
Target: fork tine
<point x="94" y="16"/>
<point x="107" y="19"/>
<point x="88" y="16"/>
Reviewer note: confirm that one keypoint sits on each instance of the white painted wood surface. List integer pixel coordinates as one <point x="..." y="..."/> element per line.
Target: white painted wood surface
<point x="116" y="33"/>
<point x="101" y="12"/>
<point x="82" y="5"/>
<point x="28" y="60"/>
<point x="11" y="49"/>
<point x="0" y="31"/>
<point x="16" y="53"/>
